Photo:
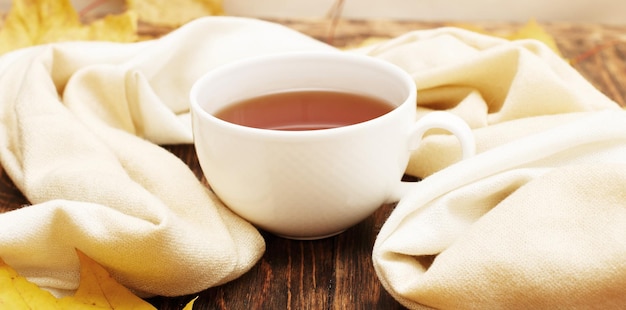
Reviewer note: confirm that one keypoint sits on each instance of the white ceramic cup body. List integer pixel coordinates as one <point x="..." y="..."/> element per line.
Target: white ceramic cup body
<point x="306" y="184"/>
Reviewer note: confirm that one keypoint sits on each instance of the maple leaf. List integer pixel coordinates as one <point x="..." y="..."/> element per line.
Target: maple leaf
<point x="174" y="13"/>
<point x="33" y="22"/>
<point x="17" y="293"/>
<point x="530" y="30"/>
<point x="97" y="290"/>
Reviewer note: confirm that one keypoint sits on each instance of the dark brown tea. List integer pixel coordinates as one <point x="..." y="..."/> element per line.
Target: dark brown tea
<point x="304" y="110"/>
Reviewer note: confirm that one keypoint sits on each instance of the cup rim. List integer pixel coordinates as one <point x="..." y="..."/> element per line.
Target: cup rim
<point x="196" y="108"/>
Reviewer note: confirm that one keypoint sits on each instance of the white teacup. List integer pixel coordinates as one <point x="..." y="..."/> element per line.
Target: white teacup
<point x="314" y="183"/>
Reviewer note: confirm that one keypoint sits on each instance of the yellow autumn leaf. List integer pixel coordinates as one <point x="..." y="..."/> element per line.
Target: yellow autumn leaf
<point x="33" y="22"/>
<point x="97" y="290"/>
<point x="530" y="30"/>
<point x="189" y="305"/>
<point x="174" y="13"/>
<point x="17" y="293"/>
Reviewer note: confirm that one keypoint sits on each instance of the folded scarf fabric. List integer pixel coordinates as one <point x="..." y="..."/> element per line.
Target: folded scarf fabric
<point x="537" y="219"/>
<point x="80" y="128"/>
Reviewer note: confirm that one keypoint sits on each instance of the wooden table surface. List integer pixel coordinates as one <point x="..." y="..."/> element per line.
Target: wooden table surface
<point x="337" y="272"/>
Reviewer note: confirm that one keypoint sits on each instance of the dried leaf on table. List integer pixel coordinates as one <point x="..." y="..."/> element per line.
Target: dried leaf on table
<point x="531" y="30"/>
<point x="97" y="290"/>
<point x="33" y="22"/>
<point x="17" y="293"/>
<point x="174" y="13"/>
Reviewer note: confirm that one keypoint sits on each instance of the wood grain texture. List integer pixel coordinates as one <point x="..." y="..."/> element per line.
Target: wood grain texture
<point x="337" y="272"/>
<point x="332" y="273"/>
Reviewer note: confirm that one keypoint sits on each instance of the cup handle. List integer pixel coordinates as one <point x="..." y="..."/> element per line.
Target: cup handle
<point x="441" y="120"/>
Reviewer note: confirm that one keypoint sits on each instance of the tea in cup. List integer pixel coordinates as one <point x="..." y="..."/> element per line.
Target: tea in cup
<point x="307" y="144"/>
